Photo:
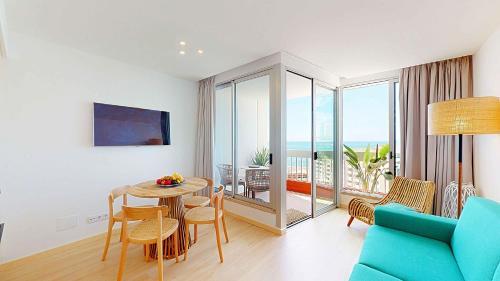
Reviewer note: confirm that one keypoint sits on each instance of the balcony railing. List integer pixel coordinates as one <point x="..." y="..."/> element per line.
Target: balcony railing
<point x="299" y="169"/>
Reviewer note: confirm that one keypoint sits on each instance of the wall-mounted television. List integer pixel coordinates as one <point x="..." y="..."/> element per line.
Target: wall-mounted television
<point x="121" y="125"/>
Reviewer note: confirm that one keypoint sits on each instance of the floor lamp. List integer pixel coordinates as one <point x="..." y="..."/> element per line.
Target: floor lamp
<point x="470" y="116"/>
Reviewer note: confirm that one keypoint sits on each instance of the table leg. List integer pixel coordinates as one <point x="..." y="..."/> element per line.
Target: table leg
<point x="176" y="206"/>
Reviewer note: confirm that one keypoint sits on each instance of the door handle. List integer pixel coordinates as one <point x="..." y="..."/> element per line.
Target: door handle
<point x="270" y="158"/>
<point x="315" y="155"/>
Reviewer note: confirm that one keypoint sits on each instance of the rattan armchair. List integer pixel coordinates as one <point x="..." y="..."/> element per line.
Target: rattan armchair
<point x="226" y="175"/>
<point x="257" y="179"/>
<point x="412" y="193"/>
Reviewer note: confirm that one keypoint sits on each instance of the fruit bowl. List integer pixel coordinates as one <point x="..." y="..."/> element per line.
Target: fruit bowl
<point x="170" y="181"/>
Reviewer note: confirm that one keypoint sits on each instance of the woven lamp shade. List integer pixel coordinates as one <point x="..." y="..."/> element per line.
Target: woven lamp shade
<point x="468" y="116"/>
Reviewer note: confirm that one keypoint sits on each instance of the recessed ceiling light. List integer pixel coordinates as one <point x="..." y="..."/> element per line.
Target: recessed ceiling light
<point x="200" y="51"/>
<point x="182" y="43"/>
<point x="182" y="52"/>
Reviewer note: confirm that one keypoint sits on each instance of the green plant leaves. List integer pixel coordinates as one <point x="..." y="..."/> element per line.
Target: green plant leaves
<point x="370" y="167"/>
<point x="384" y="150"/>
<point x="367" y="156"/>
<point x="261" y="157"/>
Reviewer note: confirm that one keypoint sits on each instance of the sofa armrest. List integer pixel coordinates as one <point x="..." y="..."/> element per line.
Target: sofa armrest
<point x="430" y="226"/>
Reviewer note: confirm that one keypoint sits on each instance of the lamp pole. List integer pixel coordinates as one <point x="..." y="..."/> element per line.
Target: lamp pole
<point x="459" y="187"/>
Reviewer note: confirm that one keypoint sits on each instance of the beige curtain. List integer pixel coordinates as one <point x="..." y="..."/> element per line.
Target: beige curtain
<point x="204" y="134"/>
<point x="426" y="157"/>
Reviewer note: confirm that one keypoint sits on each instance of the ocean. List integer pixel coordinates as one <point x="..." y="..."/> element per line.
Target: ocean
<point x="327" y="146"/>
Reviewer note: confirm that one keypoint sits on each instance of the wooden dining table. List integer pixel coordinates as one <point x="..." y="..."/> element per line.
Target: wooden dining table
<point x="172" y="197"/>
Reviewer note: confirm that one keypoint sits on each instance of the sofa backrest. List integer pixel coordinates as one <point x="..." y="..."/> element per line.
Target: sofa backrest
<point x="476" y="240"/>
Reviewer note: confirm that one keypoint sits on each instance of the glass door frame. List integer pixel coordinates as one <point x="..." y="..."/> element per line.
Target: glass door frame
<point x="273" y="73"/>
<point x="315" y="211"/>
<point x="314" y="83"/>
<point x="272" y="194"/>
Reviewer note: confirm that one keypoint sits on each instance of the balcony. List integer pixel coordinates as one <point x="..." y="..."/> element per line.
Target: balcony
<point x="299" y="175"/>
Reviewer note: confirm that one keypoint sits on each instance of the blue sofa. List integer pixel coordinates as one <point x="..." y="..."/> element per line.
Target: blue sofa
<point x="410" y="246"/>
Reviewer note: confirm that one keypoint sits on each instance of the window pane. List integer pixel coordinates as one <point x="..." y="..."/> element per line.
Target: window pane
<point x="252" y="151"/>
<point x="366" y="126"/>
<point x="324" y="139"/>
<point x="223" y="138"/>
<point x="299" y="147"/>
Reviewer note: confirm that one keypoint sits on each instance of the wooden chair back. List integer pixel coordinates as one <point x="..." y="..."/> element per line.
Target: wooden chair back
<point x="210" y="186"/>
<point x="144" y="213"/>
<point x="217" y="200"/>
<point x="413" y="193"/>
<point x="116" y="193"/>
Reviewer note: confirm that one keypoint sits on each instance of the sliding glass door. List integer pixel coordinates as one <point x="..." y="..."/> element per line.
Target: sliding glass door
<point x="223" y="137"/>
<point x="311" y="148"/>
<point x="252" y="155"/>
<point x="324" y="145"/>
<point x="299" y="148"/>
<point x="242" y="155"/>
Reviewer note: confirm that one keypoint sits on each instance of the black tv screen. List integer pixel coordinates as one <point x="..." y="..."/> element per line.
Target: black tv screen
<point x="120" y="125"/>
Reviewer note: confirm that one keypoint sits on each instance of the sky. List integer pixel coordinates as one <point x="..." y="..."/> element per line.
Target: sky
<point x="365" y="110"/>
<point x="366" y="113"/>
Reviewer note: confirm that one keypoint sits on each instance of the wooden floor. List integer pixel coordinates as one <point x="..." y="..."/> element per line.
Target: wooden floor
<point x="319" y="249"/>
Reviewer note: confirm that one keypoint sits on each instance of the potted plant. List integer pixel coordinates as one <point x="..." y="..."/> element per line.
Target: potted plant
<point x="371" y="167"/>
<point x="261" y="157"/>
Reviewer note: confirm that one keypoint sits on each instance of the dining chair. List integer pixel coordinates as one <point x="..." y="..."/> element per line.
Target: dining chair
<point x="208" y="215"/>
<point x="154" y="228"/>
<point x="200" y="201"/>
<point x="115" y="217"/>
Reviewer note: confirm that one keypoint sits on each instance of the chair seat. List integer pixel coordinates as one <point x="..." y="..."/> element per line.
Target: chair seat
<point x="147" y="231"/>
<point x="201" y="215"/>
<point x="118" y="216"/>
<point x="196" y="201"/>
<point x="258" y="188"/>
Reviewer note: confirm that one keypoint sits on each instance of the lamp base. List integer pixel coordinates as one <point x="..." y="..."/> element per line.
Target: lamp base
<point x="450" y="200"/>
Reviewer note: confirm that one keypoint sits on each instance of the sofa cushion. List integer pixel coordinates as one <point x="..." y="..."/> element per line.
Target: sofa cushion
<point x="407" y="256"/>
<point x="362" y="272"/>
<point x="476" y="240"/>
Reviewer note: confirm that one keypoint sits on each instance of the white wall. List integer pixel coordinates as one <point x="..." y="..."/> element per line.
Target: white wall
<point x="3" y="31"/>
<point x="48" y="166"/>
<point x="487" y="147"/>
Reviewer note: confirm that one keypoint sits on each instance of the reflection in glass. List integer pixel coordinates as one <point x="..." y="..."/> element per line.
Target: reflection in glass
<point x="252" y="150"/>
<point x="223" y="138"/>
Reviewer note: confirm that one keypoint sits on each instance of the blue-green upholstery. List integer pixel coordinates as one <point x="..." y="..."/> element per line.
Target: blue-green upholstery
<point x="363" y="272"/>
<point x="476" y="240"/>
<point x="411" y="246"/>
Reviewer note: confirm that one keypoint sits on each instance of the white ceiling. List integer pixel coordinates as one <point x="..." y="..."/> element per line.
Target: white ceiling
<point x="348" y="38"/>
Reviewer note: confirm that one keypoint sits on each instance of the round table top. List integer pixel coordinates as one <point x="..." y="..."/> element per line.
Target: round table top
<point x="150" y="189"/>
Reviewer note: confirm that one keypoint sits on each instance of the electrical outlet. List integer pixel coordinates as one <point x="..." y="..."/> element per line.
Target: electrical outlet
<point x="98" y="218"/>
<point x="66" y="223"/>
